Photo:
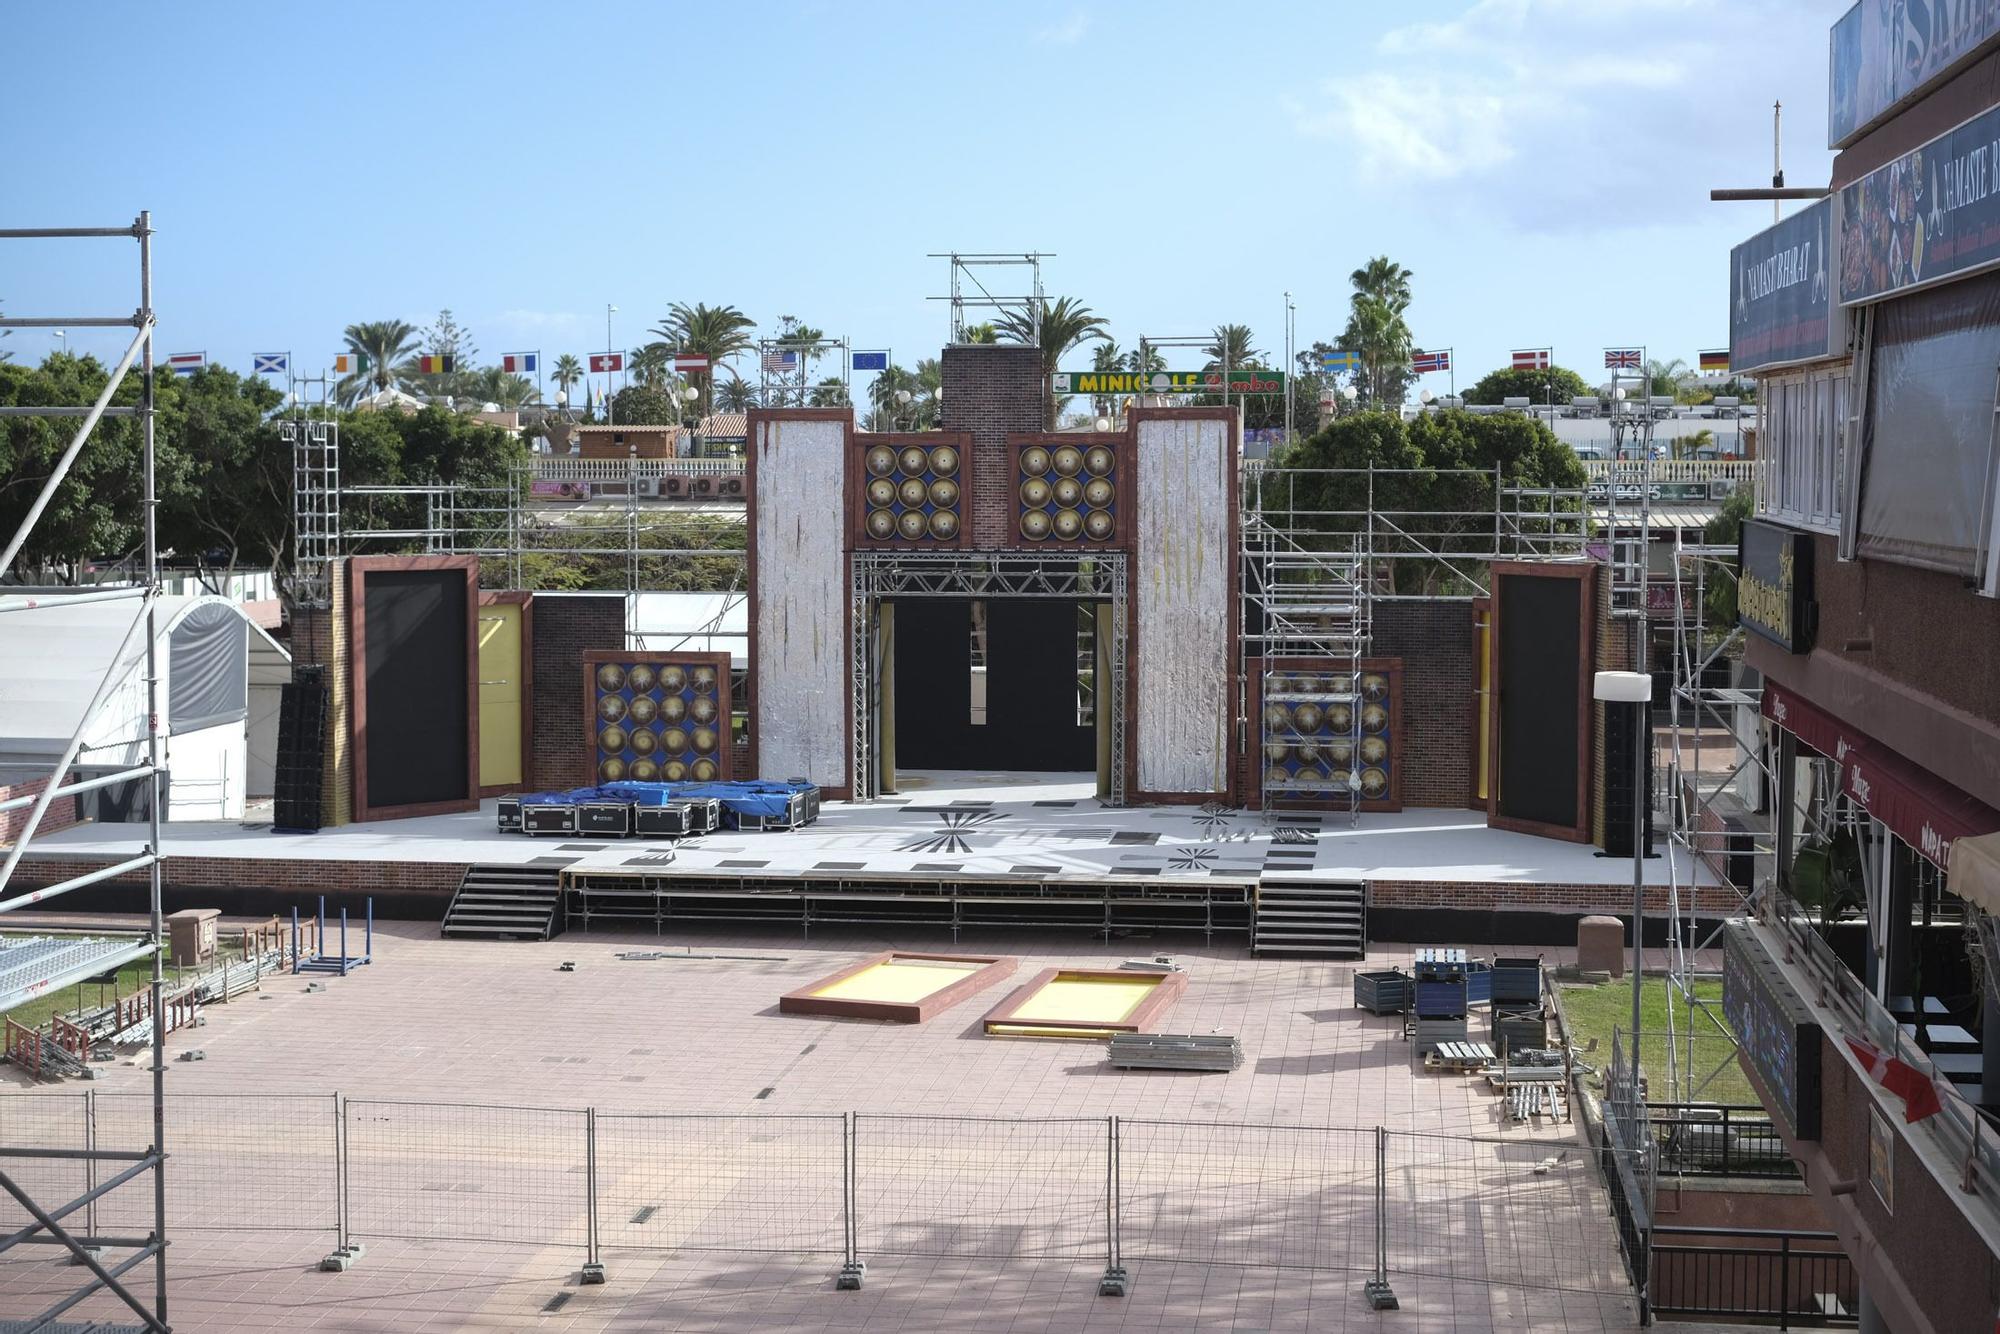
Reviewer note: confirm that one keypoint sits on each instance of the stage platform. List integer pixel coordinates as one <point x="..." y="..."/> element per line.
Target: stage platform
<point x="951" y="850"/>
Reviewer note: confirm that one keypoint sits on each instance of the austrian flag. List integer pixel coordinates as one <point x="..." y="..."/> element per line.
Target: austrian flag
<point x="1912" y="1085"/>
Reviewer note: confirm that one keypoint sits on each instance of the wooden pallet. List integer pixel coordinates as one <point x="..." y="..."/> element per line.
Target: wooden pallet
<point x="1463" y="1057"/>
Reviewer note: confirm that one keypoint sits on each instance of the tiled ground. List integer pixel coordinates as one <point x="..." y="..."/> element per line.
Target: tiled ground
<point x="965" y="1224"/>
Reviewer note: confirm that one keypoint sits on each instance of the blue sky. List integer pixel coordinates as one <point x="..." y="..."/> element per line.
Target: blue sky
<point x="1542" y="165"/>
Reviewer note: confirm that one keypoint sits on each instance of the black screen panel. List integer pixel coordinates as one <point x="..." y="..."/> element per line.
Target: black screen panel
<point x="1540" y="682"/>
<point x="934" y="684"/>
<point x="415" y="677"/>
<point x="1031" y="688"/>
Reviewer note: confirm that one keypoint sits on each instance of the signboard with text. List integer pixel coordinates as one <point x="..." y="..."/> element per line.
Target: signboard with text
<point x="1169" y="382"/>
<point x="1781" y="307"/>
<point x="1774" y="585"/>
<point x="1776" y="1035"/>
<point x="1932" y="213"/>
<point x="1883" y="53"/>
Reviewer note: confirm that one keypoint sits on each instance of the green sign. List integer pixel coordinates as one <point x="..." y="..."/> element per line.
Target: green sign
<point x="1169" y="382"/>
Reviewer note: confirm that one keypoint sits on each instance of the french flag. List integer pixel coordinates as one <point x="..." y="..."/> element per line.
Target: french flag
<point x="520" y="363"/>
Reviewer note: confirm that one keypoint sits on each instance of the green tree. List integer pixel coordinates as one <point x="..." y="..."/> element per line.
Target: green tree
<point x="981" y="333"/>
<point x="651" y="365"/>
<point x="1231" y="350"/>
<point x="1065" y="325"/>
<point x="645" y="405"/>
<point x="735" y="394"/>
<point x="1378" y="333"/>
<point x="567" y="372"/>
<point x="490" y="384"/>
<point x="889" y="414"/>
<point x="715" y="332"/>
<point x="1670" y="378"/>
<point x="236" y="509"/>
<point x="1725" y="530"/>
<point x="1537" y="386"/>
<point x="830" y="392"/>
<point x="388" y="346"/>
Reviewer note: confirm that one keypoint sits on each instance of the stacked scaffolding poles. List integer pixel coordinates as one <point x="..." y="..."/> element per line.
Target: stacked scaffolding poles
<point x="154" y="905"/>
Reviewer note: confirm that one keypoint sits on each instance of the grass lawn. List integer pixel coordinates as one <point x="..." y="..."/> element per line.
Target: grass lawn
<point x="1593" y="1012"/>
<point x="132" y="977"/>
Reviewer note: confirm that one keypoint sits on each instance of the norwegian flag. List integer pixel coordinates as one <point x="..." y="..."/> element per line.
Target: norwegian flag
<point x="1919" y="1095"/>
<point x="607" y="361"/>
<point x="1425" y="363"/>
<point x="1532" y="359"/>
<point x="777" y="360"/>
<point x="1621" y="358"/>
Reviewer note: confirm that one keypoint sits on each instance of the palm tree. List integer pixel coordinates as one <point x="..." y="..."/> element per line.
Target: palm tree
<point x="981" y="333"/>
<point x="490" y="384"/>
<point x="735" y="395"/>
<point x="930" y="391"/>
<point x="715" y="332"/>
<point x="1145" y="360"/>
<point x="889" y="415"/>
<point x="388" y="345"/>
<point x="651" y="365"/>
<point x="1375" y="330"/>
<point x="568" y="371"/>
<point x="1669" y="378"/>
<point x="1384" y="280"/>
<point x="828" y="393"/>
<point x="1065" y="325"/>
<point x="1231" y="350"/>
<point x="1106" y="359"/>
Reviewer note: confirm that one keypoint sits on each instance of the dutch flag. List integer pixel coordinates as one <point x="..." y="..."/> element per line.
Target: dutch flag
<point x="186" y="363"/>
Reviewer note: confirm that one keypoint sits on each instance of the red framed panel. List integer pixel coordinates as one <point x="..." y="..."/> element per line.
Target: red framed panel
<point x="910" y="492"/>
<point x="1070" y="491"/>
<point x="1381" y="748"/>
<point x="359" y="569"/>
<point x="657" y="717"/>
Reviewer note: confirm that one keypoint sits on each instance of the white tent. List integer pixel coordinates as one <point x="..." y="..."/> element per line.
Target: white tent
<point x="691" y="623"/>
<point x="217" y="670"/>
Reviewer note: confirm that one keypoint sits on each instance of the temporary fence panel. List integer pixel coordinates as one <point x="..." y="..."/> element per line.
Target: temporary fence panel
<point x="1284" y="1196"/>
<point x="457" y="1172"/>
<point x="235" y="1162"/>
<point x="1506" y="1213"/>
<point x="971" y="1186"/>
<point x="734" y="1183"/>
<point x="46" y="1121"/>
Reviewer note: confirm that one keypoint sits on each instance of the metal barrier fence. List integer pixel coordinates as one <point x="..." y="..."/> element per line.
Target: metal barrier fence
<point x="853" y="1187"/>
<point x="1792" y="1278"/>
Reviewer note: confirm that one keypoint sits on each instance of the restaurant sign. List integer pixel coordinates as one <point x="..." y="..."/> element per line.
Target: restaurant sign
<point x="1774" y="585"/>
<point x="1169" y="382"/>
<point x="1776" y="1035"/>
<point x="1931" y="214"/>
<point x="1885" y="52"/>
<point x="1781" y="307"/>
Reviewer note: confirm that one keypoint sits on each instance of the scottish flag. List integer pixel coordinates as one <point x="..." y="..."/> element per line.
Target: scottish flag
<point x="270" y="363"/>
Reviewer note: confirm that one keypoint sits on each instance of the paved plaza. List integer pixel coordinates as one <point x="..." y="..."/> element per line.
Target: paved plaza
<point x="980" y="1163"/>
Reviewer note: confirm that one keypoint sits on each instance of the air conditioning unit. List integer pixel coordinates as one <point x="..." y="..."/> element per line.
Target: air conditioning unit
<point x="646" y="486"/>
<point x="675" y="486"/>
<point x="703" y="486"/>
<point x="732" y="485"/>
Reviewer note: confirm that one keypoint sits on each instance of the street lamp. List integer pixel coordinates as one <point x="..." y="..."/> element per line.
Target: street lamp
<point x="1348" y="393"/>
<point x="1104" y="423"/>
<point x="1636" y="689"/>
<point x="903" y="397"/>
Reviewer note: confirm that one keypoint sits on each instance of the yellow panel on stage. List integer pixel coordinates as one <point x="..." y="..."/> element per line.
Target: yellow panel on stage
<point x="902" y="980"/>
<point x="1089" y="1000"/>
<point x="500" y="671"/>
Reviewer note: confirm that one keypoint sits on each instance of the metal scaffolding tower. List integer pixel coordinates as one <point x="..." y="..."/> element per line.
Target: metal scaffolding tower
<point x="1030" y="303"/>
<point x="48" y="1226"/>
<point x="314" y="437"/>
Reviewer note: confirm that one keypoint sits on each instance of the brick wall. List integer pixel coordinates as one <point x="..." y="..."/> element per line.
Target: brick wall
<point x="1518" y="896"/>
<point x="566" y="627"/>
<point x="61" y="813"/>
<point x="989" y="390"/>
<point x="1439" y="740"/>
<point x="405" y="889"/>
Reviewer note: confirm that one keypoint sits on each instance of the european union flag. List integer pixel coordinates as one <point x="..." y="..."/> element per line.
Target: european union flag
<point x="871" y="361"/>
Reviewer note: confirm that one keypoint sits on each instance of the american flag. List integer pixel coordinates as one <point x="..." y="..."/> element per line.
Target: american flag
<point x="1424" y="363"/>
<point x="1621" y="358"/>
<point x="1532" y="359"/>
<point x="776" y="360"/>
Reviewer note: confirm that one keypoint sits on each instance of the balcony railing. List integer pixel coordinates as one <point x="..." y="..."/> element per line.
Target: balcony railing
<point x="556" y="468"/>
<point x="1739" y="472"/>
<point x="1715" y="1140"/>
<point x="1795" y="1279"/>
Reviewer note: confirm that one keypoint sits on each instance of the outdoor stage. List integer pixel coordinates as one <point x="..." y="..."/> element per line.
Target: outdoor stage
<point x="945" y="834"/>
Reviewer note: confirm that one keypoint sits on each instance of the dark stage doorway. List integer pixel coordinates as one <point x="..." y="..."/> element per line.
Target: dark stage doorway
<point x="993" y="685"/>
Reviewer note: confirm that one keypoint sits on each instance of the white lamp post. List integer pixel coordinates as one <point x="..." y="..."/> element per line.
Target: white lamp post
<point x="1636" y="689"/>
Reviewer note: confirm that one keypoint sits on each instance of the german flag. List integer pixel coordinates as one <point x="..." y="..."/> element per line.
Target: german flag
<point x="434" y="365"/>
<point x="1715" y="361"/>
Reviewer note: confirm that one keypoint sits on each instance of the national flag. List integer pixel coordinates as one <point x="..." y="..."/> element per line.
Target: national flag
<point x="1715" y="361"/>
<point x="436" y="363"/>
<point x="1912" y="1085"/>
<point x="351" y="363"/>
<point x="1621" y="358"/>
<point x="607" y="361"/>
<point x="186" y="363"/>
<point x="1428" y="363"/>
<point x="270" y="363"/>
<point x="1340" y="360"/>
<point x="777" y="359"/>
<point x="870" y="361"/>
<point x="690" y="363"/>
<point x="1532" y="359"/>
<point x="520" y="363"/>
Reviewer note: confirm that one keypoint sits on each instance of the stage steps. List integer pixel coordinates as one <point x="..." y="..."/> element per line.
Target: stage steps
<point x="1329" y="919"/>
<point x="497" y="902"/>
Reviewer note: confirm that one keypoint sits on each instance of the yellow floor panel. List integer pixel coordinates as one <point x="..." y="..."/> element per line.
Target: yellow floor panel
<point x="903" y="981"/>
<point x="1084" y="1000"/>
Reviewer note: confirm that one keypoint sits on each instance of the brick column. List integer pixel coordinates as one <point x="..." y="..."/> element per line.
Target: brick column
<point x="991" y="389"/>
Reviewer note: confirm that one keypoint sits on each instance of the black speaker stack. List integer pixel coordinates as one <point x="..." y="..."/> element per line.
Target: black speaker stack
<point x="301" y="751"/>
<point x="1621" y="733"/>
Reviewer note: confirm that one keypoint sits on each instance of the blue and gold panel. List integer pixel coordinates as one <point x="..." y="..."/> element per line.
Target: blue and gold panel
<point x="657" y="717"/>
<point x="1067" y="491"/>
<point x="912" y="490"/>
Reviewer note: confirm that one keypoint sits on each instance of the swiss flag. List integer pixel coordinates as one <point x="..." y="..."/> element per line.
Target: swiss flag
<point x="607" y="361"/>
<point x="1919" y="1095"/>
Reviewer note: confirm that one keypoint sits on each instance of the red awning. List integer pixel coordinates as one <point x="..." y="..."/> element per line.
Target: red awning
<point x="1918" y="807"/>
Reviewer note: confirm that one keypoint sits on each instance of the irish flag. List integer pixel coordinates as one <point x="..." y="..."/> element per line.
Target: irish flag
<point x="350" y="363"/>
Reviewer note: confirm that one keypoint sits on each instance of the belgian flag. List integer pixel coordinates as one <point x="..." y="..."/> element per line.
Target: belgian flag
<point x="435" y="364"/>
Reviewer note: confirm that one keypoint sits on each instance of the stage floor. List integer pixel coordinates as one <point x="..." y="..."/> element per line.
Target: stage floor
<point x="963" y="826"/>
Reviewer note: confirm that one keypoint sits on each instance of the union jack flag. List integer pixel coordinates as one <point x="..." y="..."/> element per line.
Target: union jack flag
<point x="1621" y="358"/>
<point x="776" y="360"/>
<point x="1532" y="359"/>
<point x="1424" y="363"/>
